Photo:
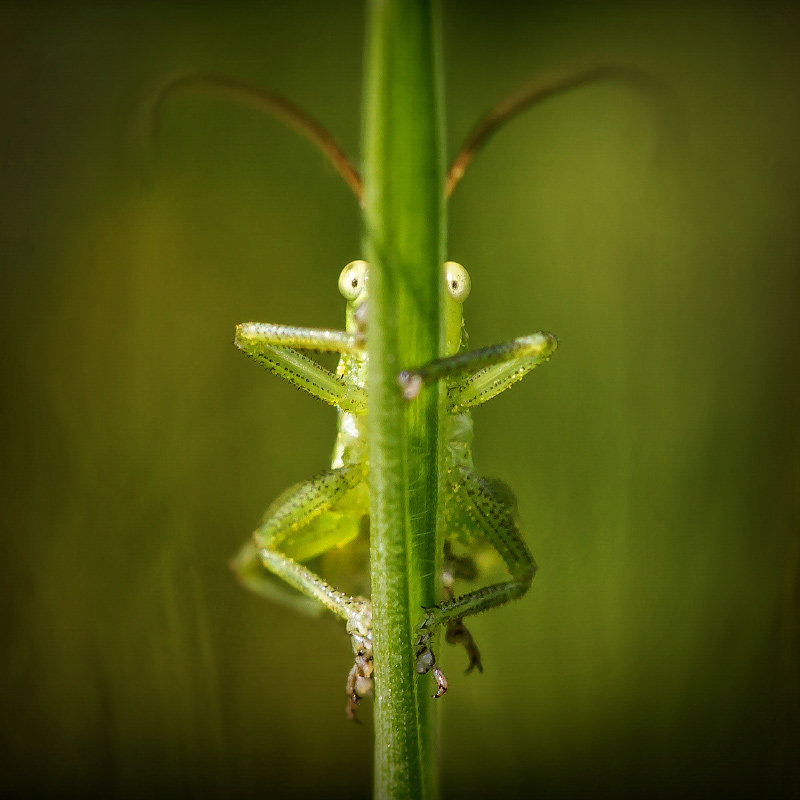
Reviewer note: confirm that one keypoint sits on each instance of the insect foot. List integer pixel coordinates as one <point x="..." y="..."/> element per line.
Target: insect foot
<point x="425" y="659"/>
<point x="359" y="680"/>
<point x="457" y="633"/>
<point x="410" y="384"/>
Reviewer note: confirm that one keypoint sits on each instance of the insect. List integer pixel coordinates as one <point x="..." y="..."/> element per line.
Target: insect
<point x="320" y="516"/>
<point x="328" y="511"/>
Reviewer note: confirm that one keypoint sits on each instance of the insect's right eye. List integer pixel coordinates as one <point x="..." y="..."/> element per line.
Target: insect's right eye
<point x="352" y="279"/>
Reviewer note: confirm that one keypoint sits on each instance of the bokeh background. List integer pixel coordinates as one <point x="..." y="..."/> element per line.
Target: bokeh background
<point x="655" y="457"/>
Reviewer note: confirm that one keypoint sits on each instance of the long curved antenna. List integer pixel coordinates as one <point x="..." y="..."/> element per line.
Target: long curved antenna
<point x="541" y="88"/>
<point x="275" y="105"/>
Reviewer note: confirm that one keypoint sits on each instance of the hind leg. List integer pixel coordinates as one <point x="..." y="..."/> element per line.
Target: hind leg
<point x="304" y="522"/>
<point x="459" y="568"/>
<point x="490" y="506"/>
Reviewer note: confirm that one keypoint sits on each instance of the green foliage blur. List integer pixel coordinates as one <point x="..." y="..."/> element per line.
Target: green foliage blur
<point x="655" y="458"/>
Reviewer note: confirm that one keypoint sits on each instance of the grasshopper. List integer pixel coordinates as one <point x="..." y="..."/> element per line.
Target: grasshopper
<point x="328" y="511"/>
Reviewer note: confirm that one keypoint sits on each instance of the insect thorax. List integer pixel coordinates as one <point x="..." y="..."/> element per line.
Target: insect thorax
<point x="458" y="440"/>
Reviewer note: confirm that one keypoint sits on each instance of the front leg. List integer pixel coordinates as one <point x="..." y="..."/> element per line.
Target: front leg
<point x="277" y="348"/>
<point x="475" y="376"/>
<point x="490" y="507"/>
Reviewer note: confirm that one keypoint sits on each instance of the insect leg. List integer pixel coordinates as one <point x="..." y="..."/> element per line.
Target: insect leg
<point x="319" y="340"/>
<point x="304" y="522"/>
<point x="475" y="376"/>
<point x="355" y="611"/>
<point x="277" y="348"/>
<point x="491" y="507"/>
<point x="253" y="575"/>
<point x="456" y="631"/>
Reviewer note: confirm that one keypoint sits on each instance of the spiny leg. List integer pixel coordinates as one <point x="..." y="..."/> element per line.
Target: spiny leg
<point x="490" y="505"/>
<point x="253" y="335"/>
<point x="355" y="611"/>
<point x="304" y="524"/>
<point x="311" y="517"/>
<point x="249" y="568"/>
<point x="464" y="568"/>
<point x="277" y="348"/>
<point x="475" y="376"/>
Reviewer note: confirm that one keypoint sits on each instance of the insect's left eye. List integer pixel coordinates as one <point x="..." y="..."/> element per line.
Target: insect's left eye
<point x="458" y="282"/>
<point x="352" y="279"/>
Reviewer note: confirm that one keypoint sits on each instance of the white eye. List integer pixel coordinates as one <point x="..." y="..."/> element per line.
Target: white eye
<point x="352" y="279"/>
<point x="458" y="282"/>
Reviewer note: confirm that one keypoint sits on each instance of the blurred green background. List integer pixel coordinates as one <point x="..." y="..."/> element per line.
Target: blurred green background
<point x="655" y="458"/>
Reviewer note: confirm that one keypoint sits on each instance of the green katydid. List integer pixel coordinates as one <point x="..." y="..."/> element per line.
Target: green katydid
<point x="327" y="511"/>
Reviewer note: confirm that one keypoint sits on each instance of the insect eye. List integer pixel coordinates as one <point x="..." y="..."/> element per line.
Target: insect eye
<point x="458" y="282"/>
<point x="352" y="279"/>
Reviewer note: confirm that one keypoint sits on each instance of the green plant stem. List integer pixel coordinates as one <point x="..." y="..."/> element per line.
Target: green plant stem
<point x="404" y="232"/>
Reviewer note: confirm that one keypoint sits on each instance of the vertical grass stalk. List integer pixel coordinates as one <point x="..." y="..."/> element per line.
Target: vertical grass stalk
<point x="404" y="234"/>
